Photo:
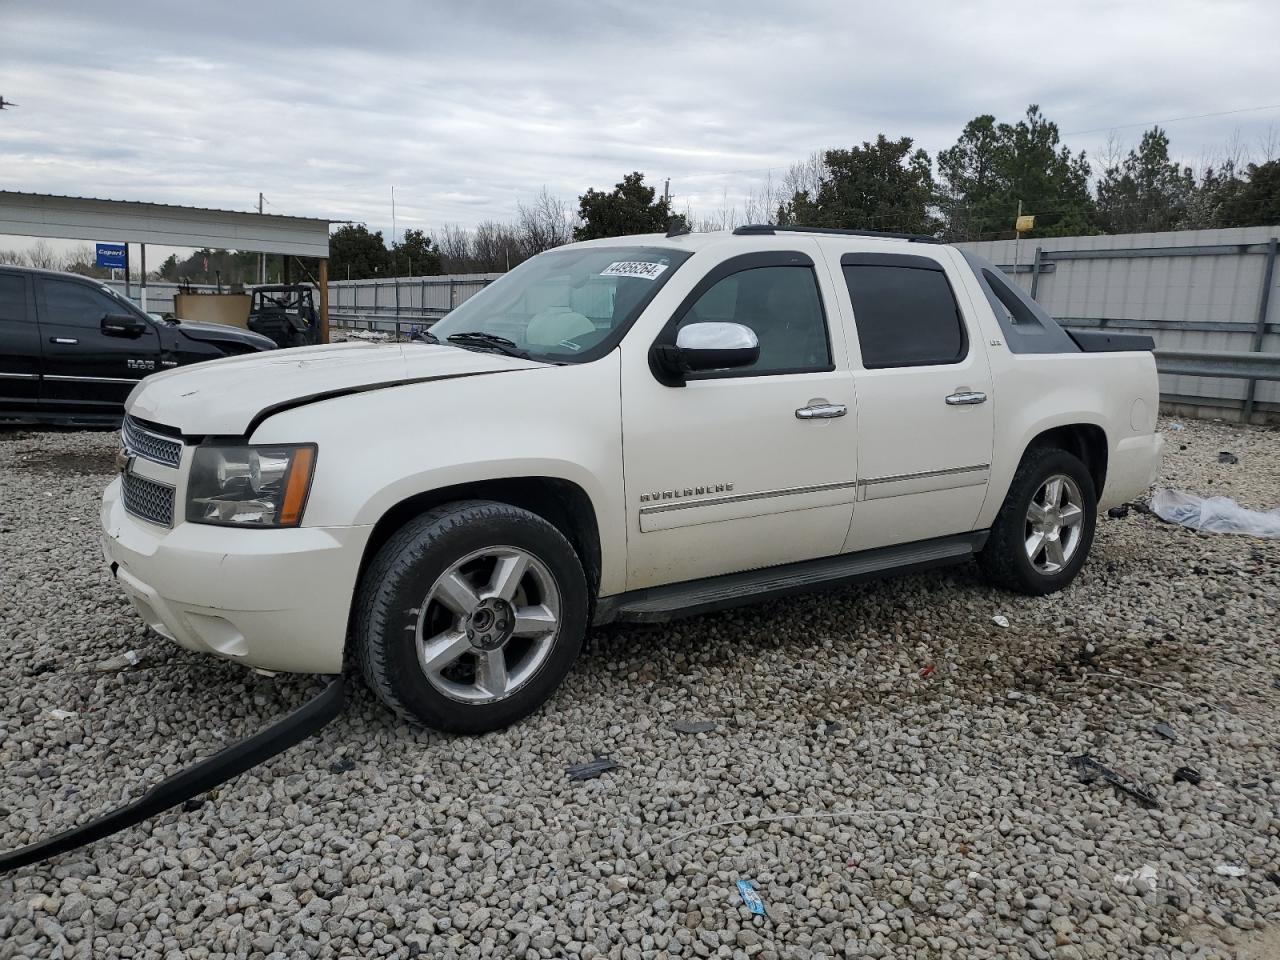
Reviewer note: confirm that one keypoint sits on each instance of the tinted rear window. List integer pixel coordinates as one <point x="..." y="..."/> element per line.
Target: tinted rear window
<point x="13" y="298"/>
<point x="905" y="316"/>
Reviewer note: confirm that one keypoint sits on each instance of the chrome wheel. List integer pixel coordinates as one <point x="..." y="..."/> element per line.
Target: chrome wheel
<point x="487" y="624"/>
<point x="1055" y="520"/>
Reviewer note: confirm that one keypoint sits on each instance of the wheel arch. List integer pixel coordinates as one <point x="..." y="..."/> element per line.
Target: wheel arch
<point x="1085" y="441"/>
<point x="562" y="503"/>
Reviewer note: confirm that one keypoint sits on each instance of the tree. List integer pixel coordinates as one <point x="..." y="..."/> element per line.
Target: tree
<point x="1210" y="196"/>
<point x="496" y="247"/>
<point x="630" y="208"/>
<point x="879" y="186"/>
<point x="415" y="256"/>
<point x="1146" y="192"/>
<point x="992" y="167"/>
<point x="1257" y="201"/>
<point x="544" y="224"/>
<point x="355" y="252"/>
<point x="42" y="256"/>
<point x="84" y="261"/>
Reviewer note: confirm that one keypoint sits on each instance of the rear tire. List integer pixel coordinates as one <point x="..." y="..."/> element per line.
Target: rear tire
<point x="470" y="616"/>
<point x="1043" y="532"/>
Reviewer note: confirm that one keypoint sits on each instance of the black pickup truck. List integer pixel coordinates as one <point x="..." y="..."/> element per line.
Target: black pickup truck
<point x="72" y="348"/>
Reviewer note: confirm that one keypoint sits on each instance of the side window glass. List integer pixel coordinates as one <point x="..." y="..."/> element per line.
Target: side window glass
<point x="905" y="316"/>
<point x="782" y="306"/>
<point x="75" y="304"/>
<point x="13" y="298"/>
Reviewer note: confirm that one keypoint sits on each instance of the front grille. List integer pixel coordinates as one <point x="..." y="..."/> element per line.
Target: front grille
<point x="147" y="499"/>
<point x="140" y="442"/>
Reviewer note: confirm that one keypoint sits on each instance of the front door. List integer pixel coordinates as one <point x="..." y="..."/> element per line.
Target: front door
<point x="19" y="346"/>
<point x="85" y="370"/>
<point x="925" y="397"/>
<point x="729" y="472"/>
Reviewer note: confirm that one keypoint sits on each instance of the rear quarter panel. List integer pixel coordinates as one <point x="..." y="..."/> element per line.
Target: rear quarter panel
<point x="1035" y="392"/>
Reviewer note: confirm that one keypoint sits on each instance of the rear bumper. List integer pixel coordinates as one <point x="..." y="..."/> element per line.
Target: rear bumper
<point x="1133" y="467"/>
<point x="271" y="599"/>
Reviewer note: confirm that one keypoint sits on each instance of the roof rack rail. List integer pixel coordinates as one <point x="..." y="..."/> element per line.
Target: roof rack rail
<point x="761" y="229"/>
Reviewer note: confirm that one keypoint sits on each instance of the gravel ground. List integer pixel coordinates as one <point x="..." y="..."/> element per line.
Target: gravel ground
<point x="888" y="766"/>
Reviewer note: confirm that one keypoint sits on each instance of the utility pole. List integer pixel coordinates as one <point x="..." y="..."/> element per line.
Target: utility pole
<point x="262" y="257"/>
<point x="1017" y="240"/>
<point x="666" y="193"/>
<point x="393" y="219"/>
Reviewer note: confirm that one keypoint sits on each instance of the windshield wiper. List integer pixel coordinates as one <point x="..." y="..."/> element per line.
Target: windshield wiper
<point x="491" y="340"/>
<point x="423" y="336"/>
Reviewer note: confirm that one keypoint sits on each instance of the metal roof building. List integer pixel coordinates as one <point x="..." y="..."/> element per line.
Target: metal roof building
<point x="128" y="221"/>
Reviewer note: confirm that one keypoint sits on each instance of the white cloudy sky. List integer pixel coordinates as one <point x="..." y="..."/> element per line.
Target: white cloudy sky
<point x="467" y="108"/>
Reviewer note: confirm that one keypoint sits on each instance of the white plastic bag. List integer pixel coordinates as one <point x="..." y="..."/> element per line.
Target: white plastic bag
<point x="1214" y="514"/>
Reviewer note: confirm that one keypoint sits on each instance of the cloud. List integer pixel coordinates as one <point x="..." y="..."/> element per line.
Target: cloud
<point x="469" y="109"/>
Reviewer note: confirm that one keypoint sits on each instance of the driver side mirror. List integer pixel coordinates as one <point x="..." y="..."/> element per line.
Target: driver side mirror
<point x="123" y="325"/>
<point x="708" y="346"/>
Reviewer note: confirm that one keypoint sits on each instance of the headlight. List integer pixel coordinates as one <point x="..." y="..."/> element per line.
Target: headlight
<point x="246" y="486"/>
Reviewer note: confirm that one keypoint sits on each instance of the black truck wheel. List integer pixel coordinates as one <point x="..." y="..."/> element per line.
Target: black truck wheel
<point x="1044" y="530"/>
<point x="470" y="616"/>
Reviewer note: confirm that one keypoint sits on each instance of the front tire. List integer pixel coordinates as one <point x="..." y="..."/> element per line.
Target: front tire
<point x="1042" y="535"/>
<point x="470" y="616"/>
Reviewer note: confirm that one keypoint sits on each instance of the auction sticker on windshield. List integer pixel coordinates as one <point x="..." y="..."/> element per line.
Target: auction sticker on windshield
<point x="634" y="268"/>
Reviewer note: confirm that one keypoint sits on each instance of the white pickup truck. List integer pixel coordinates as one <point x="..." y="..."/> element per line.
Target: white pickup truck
<point x="627" y="429"/>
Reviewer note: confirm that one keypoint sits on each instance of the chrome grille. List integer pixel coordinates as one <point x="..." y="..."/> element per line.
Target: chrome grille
<point x="140" y="442"/>
<point x="147" y="499"/>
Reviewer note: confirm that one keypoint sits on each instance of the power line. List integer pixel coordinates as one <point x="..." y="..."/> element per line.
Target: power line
<point x="1154" y="123"/>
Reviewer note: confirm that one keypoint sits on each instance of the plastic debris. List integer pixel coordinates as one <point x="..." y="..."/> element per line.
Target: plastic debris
<point x="1176" y="427"/>
<point x="1163" y="729"/>
<point x="591" y="769"/>
<point x="1090" y="769"/>
<point x="56" y="714"/>
<point x="1187" y="775"/>
<point x="1230" y="870"/>
<point x="342" y="765"/>
<point x="1226" y="456"/>
<point x="1214" y="514"/>
<point x="130" y="658"/>
<point x="693" y="726"/>
<point x="1119" y="513"/>
<point x="927" y="671"/>
<point x="1145" y="879"/>
<point x="1000" y="621"/>
<point x="747" y="891"/>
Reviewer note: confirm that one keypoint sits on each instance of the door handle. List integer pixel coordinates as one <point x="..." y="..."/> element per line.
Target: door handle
<point x="966" y="398"/>
<point x="63" y="340"/>
<point x="821" y="411"/>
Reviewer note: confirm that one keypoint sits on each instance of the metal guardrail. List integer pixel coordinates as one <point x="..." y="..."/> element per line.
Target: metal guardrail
<point x="1232" y="364"/>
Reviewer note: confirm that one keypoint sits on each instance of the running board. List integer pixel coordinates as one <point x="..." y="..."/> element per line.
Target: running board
<point x="659" y="604"/>
<point x="229" y="762"/>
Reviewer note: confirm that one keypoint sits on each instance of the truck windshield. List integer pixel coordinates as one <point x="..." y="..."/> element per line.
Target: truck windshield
<point x="563" y="306"/>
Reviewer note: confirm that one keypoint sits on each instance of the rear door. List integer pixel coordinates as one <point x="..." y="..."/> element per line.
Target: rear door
<point x="19" y="345"/>
<point x="86" y="371"/>
<point x="925" y="397"/>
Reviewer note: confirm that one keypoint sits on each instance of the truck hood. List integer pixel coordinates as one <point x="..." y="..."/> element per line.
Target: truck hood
<point x="223" y="333"/>
<point x="231" y="397"/>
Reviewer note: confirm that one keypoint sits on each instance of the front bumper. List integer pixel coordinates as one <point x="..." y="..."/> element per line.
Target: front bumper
<point x="270" y="599"/>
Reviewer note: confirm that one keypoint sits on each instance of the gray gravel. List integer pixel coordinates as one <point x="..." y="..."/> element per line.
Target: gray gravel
<point x="886" y="813"/>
